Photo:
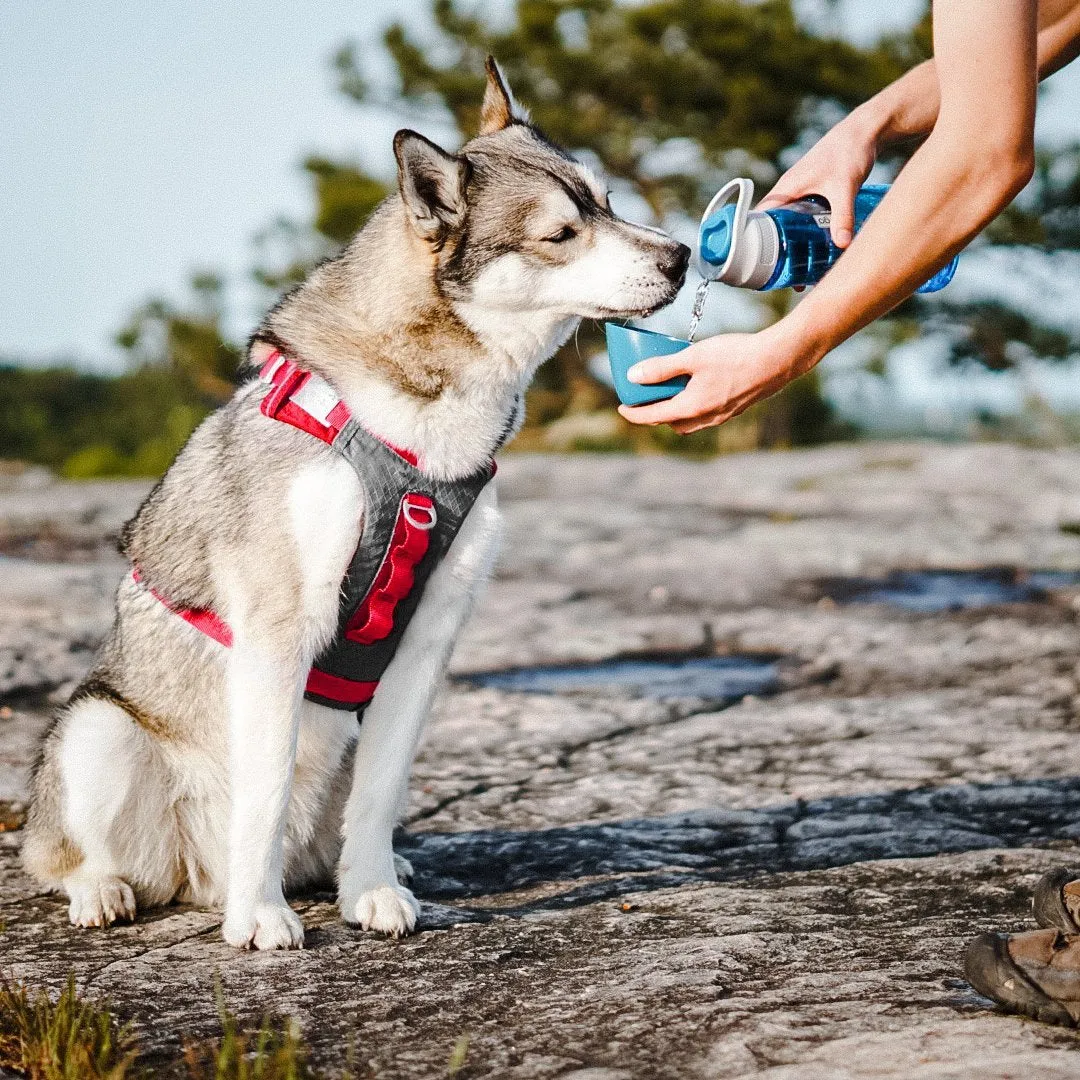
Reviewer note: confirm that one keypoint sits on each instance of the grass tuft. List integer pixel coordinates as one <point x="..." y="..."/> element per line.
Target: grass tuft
<point x="68" y="1039"/>
<point x="73" y="1039"/>
<point x="266" y="1054"/>
<point x="458" y="1055"/>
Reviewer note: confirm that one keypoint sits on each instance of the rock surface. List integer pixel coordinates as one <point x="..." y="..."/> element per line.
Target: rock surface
<point x="618" y="887"/>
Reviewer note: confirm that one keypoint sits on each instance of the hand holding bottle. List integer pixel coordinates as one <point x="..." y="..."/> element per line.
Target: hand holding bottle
<point x="834" y="168"/>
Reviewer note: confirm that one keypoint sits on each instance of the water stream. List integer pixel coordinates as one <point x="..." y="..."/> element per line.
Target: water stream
<point x="699" y="308"/>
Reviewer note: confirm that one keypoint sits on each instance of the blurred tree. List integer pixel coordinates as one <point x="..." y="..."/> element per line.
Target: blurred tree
<point x="190" y="342"/>
<point x="672" y="95"/>
<point x="672" y="98"/>
<point x="86" y="425"/>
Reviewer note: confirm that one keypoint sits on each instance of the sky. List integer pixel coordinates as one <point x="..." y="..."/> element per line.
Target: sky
<point x="140" y="141"/>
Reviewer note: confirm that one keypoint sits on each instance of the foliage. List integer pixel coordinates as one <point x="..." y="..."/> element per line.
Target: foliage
<point x="84" y="425"/>
<point x="69" y="1039"/>
<point x="74" y="1039"/>
<point x="271" y="1053"/>
<point x="670" y="98"/>
<point x="700" y="79"/>
<point x="190" y="342"/>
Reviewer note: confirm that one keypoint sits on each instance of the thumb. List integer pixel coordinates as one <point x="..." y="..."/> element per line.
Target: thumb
<point x="658" y="369"/>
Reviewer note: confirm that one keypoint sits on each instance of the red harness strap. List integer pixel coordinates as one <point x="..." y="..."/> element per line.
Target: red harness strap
<point x="303" y="400"/>
<point x="374" y="618"/>
<point x="201" y="618"/>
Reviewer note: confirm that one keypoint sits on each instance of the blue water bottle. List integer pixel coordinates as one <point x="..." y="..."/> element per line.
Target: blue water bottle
<point x="774" y="249"/>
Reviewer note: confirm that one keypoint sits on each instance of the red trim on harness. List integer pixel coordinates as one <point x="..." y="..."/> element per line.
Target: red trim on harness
<point x="201" y="618"/>
<point x="374" y="618"/>
<point x="336" y="688"/>
<point x="288" y="378"/>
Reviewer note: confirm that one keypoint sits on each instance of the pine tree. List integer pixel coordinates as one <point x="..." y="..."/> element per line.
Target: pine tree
<point x="671" y="98"/>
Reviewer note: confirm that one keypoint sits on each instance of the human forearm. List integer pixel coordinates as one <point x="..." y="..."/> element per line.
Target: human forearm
<point x="943" y="197"/>
<point x="940" y="201"/>
<point x="908" y="108"/>
<point x="978" y="156"/>
<point x="905" y="109"/>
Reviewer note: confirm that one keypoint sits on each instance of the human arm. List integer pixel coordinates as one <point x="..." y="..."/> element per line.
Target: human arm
<point x="979" y="154"/>
<point x="836" y="166"/>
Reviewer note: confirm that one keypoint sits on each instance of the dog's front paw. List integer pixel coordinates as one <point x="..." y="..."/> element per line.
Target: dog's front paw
<point x="99" y="901"/>
<point x="389" y="909"/>
<point x="266" y="926"/>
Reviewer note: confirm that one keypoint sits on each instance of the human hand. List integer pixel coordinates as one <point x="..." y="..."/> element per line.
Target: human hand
<point x="835" y="168"/>
<point x="728" y="373"/>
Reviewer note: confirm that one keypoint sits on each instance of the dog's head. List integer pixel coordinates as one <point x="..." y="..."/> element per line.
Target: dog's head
<point x="515" y="224"/>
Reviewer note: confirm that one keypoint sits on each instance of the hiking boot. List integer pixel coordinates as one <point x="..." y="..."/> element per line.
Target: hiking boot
<point x="1036" y="973"/>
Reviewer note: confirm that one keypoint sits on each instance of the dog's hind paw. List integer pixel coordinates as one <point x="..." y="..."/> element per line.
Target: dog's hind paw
<point x="99" y="901"/>
<point x="389" y="909"/>
<point x="266" y="926"/>
<point x="403" y="869"/>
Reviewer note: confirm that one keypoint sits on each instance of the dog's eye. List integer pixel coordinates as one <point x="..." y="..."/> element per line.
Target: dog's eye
<point x="567" y="232"/>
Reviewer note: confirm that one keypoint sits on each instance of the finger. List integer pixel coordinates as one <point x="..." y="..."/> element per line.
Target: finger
<point x="660" y="412"/>
<point x="712" y="419"/>
<point x="658" y="369"/>
<point x="842" y="215"/>
<point x="700" y="423"/>
<point x="778" y="197"/>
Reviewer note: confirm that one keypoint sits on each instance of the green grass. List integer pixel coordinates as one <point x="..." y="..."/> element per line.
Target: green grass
<point x="71" y="1038"/>
<point x="271" y="1053"/>
<point x="68" y="1039"/>
<point x="74" y="1039"/>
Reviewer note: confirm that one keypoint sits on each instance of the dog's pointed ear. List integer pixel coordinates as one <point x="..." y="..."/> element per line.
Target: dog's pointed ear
<point x="499" y="109"/>
<point x="432" y="185"/>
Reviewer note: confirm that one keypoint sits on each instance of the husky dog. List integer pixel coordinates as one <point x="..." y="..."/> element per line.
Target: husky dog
<point x="190" y="766"/>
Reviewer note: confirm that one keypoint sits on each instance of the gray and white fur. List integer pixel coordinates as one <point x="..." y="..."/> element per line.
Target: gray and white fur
<point x="185" y="770"/>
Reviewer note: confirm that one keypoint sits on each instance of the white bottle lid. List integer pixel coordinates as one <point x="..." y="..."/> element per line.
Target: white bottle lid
<point x="755" y="241"/>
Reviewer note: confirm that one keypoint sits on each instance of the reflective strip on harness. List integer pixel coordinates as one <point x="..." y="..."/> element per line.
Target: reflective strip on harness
<point x="301" y="399"/>
<point x="374" y="618"/>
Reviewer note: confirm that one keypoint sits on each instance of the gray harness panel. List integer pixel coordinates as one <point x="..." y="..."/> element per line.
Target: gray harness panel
<point x="387" y="478"/>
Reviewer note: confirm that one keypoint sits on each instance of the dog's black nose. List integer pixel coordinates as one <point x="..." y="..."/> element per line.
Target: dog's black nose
<point x="673" y="265"/>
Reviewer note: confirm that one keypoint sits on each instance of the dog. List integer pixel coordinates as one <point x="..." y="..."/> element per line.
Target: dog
<point x="211" y="755"/>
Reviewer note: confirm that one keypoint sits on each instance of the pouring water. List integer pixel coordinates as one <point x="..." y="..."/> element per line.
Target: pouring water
<point x="699" y="308"/>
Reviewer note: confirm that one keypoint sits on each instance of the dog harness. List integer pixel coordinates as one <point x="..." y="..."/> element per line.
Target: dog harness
<point x="410" y="520"/>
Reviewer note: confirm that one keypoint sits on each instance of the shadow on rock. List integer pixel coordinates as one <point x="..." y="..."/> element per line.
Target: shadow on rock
<point x="727" y="845"/>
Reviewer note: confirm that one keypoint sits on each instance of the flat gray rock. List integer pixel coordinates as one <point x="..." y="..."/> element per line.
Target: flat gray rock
<point x="617" y="886"/>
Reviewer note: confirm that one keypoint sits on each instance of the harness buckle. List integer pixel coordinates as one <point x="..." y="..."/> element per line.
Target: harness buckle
<point x="410" y="509"/>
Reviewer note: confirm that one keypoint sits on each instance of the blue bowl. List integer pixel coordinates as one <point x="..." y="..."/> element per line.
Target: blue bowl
<point x="626" y="345"/>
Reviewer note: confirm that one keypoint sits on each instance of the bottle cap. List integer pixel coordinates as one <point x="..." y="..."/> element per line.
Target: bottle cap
<point x="735" y="246"/>
<point x="716" y="236"/>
